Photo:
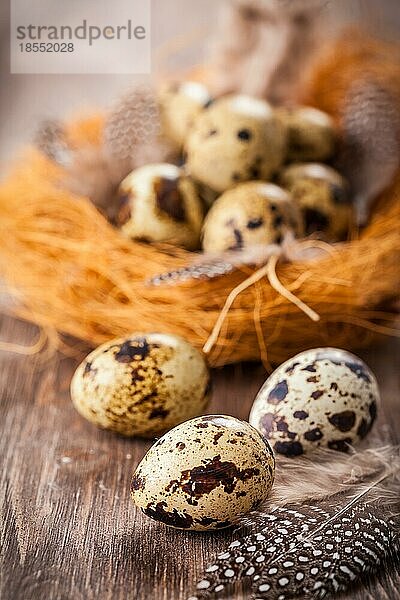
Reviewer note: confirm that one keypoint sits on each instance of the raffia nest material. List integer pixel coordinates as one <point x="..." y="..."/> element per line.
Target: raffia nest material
<point x="72" y="272"/>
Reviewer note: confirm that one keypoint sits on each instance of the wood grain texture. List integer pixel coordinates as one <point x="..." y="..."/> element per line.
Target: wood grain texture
<point x="69" y="529"/>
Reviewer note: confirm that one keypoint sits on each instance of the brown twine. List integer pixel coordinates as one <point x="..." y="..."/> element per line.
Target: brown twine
<point x="268" y="270"/>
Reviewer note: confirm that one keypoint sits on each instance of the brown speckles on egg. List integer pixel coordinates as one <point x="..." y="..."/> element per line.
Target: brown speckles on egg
<point x="300" y="414"/>
<point x="342" y="445"/>
<point x="291" y="368"/>
<point x="266" y="423"/>
<point x="169" y="199"/>
<point x="244" y="134"/>
<point x="132" y="350"/>
<point x="343" y="421"/>
<point x="359" y="370"/>
<point x="311" y="368"/>
<point x="339" y="396"/>
<point x="238" y="245"/>
<point x="363" y="428"/>
<point x="206" y="521"/>
<point x="217" y="436"/>
<point x="213" y="483"/>
<point x="173" y="518"/>
<point x="278" y="393"/>
<point x="89" y="370"/>
<point x="137" y="483"/>
<point x="158" y="413"/>
<point x="313" y="435"/>
<point x="141" y="385"/>
<point x="203" y="479"/>
<point x="255" y="223"/>
<point x="289" y="448"/>
<point x="372" y="408"/>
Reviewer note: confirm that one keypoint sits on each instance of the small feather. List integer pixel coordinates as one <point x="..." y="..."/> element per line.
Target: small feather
<point x="211" y="266"/>
<point x="50" y="139"/>
<point x="317" y="548"/>
<point x="132" y="132"/>
<point x="370" y="153"/>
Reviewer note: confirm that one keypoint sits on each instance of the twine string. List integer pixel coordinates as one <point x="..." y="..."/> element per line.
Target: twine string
<point x="22" y="348"/>
<point x="268" y="270"/>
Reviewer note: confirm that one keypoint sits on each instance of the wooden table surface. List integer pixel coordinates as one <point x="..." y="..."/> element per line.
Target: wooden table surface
<point x="69" y="529"/>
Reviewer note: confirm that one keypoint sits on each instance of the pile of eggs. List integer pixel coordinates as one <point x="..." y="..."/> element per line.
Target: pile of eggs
<point x="206" y="471"/>
<point x="258" y="170"/>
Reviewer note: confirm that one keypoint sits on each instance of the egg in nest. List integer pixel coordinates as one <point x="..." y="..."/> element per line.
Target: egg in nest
<point x="179" y="104"/>
<point x="253" y="213"/>
<point x="322" y="195"/>
<point x="159" y="203"/>
<point x="204" y="474"/>
<point x="141" y="385"/>
<point x="238" y="138"/>
<point x="311" y="133"/>
<point x="323" y="397"/>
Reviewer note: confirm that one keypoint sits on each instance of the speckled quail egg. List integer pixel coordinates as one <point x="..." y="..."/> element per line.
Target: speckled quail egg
<point x="252" y="213"/>
<point x="322" y="397"/>
<point x="311" y="133"/>
<point x="323" y="196"/>
<point x="141" y="385"/>
<point x="179" y="104"/>
<point x="204" y="474"/>
<point x="160" y="204"/>
<point x="236" y="139"/>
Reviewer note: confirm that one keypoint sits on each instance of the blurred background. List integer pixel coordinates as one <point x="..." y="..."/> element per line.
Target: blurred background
<point x="180" y="36"/>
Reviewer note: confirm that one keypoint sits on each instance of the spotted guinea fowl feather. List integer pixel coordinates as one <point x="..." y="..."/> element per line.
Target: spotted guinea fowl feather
<point x="211" y="266"/>
<point x="313" y="549"/>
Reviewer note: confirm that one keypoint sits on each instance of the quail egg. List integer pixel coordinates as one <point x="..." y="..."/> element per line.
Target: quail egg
<point x="311" y="133"/>
<point x="160" y="204"/>
<point x="141" y="385"/>
<point x="204" y="474"/>
<point x="322" y="397"/>
<point x="236" y="139"/>
<point x="323" y="196"/>
<point x="179" y="104"/>
<point x="250" y="214"/>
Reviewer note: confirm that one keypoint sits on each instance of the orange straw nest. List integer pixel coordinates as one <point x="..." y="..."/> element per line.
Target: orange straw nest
<point x="72" y="272"/>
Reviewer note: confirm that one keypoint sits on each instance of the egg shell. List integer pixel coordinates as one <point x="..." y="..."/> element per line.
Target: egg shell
<point x="323" y="196"/>
<point x="252" y="213"/>
<point x="142" y="384"/>
<point x="322" y="397"/>
<point x="311" y="133"/>
<point x="179" y="104"/>
<point x="204" y="474"/>
<point x="159" y="203"/>
<point x="238" y="138"/>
